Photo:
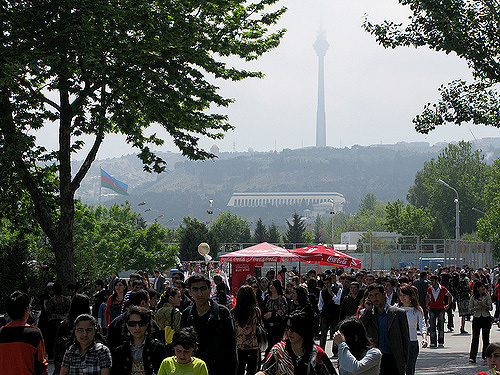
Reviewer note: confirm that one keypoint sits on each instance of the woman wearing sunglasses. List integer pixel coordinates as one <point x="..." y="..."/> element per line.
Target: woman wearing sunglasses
<point x="141" y="354"/>
<point x="297" y="354"/>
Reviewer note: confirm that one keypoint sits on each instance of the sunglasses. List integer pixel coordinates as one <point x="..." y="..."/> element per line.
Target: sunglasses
<point x="135" y="323"/>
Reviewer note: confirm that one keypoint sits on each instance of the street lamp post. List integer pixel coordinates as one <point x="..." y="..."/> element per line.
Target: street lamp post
<point x="478" y="210"/>
<point x="457" y="210"/>
<point x="332" y="212"/>
<point x="210" y="212"/>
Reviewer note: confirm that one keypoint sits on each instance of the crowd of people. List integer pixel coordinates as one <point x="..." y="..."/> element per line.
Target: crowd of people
<point x="276" y="324"/>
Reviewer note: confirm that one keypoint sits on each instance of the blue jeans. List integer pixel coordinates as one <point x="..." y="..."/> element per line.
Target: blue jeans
<point x="412" y="358"/>
<point x="436" y="318"/>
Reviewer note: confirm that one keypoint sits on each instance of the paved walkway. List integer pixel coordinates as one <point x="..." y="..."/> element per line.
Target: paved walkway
<point x="453" y="359"/>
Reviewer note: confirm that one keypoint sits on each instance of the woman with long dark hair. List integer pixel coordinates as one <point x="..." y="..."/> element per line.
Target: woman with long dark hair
<point x="115" y="301"/>
<point x="141" y="354"/>
<point x="357" y="354"/>
<point x="80" y="304"/>
<point x="276" y="308"/>
<point x="300" y="300"/>
<point x="480" y="306"/>
<point x="246" y="315"/>
<point x="297" y="354"/>
<point x="415" y="316"/>
<point x="168" y="315"/>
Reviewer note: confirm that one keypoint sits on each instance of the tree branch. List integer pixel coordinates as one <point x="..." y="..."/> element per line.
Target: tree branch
<point x="24" y="83"/>
<point x="8" y="129"/>
<point x="75" y="184"/>
<point x="82" y="96"/>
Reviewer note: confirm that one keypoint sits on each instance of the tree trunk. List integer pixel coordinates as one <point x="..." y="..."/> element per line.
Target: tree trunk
<point x="64" y="253"/>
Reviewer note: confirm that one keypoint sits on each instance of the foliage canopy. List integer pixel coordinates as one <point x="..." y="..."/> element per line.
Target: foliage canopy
<point x="101" y="67"/>
<point x="468" y="28"/>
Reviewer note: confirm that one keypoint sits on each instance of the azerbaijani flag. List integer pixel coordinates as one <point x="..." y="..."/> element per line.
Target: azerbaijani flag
<point x="112" y="183"/>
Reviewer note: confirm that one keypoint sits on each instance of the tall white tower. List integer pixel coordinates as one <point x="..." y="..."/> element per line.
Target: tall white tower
<point x="321" y="46"/>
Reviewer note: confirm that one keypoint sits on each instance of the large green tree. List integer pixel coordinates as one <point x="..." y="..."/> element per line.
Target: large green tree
<point x="468" y="28"/>
<point x="117" y="239"/>
<point x="91" y="68"/>
<point x="370" y="216"/>
<point x="489" y="220"/>
<point x="189" y="235"/>
<point x="229" y="228"/>
<point x="408" y="220"/>
<point x="460" y="167"/>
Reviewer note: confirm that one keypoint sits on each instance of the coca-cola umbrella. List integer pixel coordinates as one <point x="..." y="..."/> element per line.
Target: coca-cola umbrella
<point x="263" y="252"/>
<point x="326" y="256"/>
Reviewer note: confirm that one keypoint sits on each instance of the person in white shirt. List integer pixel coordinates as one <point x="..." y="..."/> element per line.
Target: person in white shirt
<point x="415" y="316"/>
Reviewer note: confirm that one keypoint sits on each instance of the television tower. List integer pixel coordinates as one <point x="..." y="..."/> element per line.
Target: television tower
<point x="321" y="46"/>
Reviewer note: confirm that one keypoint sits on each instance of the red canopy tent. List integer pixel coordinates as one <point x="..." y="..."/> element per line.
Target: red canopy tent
<point x="326" y="256"/>
<point x="263" y="252"/>
<point x="244" y="261"/>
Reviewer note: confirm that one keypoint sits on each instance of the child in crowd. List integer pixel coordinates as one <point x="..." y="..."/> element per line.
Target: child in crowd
<point x="184" y="343"/>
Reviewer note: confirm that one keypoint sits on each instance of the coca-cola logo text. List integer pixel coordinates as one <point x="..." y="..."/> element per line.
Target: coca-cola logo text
<point x="337" y="260"/>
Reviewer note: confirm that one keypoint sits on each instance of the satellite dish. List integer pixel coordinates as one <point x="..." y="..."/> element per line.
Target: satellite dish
<point x="203" y="249"/>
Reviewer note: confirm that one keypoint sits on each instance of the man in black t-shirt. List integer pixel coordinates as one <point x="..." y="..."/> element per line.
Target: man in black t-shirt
<point x="215" y="328"/>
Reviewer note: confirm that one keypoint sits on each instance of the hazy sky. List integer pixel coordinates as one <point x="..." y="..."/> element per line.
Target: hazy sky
<point x="372" y="94"/>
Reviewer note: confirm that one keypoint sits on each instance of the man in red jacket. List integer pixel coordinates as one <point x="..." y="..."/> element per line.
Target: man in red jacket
<point x="436" y="304"/>
<point x="22" y="349"/>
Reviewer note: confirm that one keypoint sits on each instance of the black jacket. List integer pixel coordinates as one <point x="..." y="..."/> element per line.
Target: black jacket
<point x="218" y="341"/>
<point x="152" y="356"/>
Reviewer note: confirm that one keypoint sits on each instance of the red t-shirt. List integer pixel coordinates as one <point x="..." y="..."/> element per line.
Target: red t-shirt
<point x="22" y="350"/>
<point x="437" y="303"/>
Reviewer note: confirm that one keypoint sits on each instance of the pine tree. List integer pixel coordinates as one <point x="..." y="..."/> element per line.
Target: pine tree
<point x="296" y="230"/>
<point x="273" y="234"/>
<point x="260" y="234"/>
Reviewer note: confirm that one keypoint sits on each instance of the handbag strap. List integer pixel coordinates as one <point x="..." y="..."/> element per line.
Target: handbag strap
<point x="259" y="316"/>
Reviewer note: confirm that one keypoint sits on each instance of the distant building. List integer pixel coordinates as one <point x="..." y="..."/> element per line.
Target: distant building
<point x="288" y="199"/>
<point x="215" y="150"/>
<point x="353" y="237"/>
<point x="321" y="209"/>
<point x="321" y="46"/>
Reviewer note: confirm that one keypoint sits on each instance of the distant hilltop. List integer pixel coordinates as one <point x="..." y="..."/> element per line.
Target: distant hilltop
<point x="485" y="144"/>
<point x="186" y="187"/>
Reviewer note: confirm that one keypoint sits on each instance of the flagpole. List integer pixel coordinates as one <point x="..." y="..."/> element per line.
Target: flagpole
<point x="100" y="185"/>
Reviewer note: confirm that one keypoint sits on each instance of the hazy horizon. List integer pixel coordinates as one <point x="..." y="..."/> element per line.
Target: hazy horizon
<point x="371" y="93"/>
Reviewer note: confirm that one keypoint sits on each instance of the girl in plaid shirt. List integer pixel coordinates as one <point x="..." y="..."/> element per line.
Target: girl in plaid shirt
<point x="86" y="355"/>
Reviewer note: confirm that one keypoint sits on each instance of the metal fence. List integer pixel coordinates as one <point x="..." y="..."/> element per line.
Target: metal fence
<point x="382" y="255"/>
<point x="430" y="252"/>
